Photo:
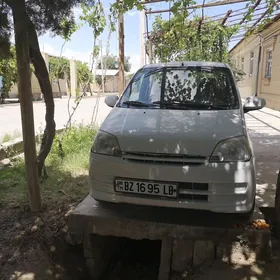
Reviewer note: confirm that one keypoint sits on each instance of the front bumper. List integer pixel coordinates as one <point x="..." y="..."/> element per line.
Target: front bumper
<point x="231" y="186"/>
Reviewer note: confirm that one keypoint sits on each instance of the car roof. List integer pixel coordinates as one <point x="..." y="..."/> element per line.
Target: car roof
<point x="187" y="64"/>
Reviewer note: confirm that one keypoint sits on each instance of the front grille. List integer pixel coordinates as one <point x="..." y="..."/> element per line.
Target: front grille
<point x="193" y="186"/>
<point x="193" y="191"/>
<point x="171" y="159"/>
<point x="194" y="197"/>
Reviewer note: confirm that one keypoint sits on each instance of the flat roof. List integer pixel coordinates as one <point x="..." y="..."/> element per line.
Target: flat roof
<point x="186" y="64"/>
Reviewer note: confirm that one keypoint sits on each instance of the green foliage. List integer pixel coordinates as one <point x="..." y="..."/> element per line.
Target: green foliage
<point x="98" y="80"/>
<point x="10" y="136"/>
<point x="94" y="16"/>
<point x="8" y="72"/>
<point x="59" y="68"/>
<point x="129" y="76"/>
<point x="68" y="28"/>
<point x="109" y="63"/>
<point x="77" y="142"/>
<point x="84" y="74"/>
<point x="67" y="175"/>
<point x="191" y="40"/>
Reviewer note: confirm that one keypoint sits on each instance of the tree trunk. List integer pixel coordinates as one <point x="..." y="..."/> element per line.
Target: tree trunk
<point x="26" y="105"/>
<point x="59" y="89"/>
<point x="42" y="75"/>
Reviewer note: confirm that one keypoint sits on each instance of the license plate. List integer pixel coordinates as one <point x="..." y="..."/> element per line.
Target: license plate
<point x="147" y="188"/>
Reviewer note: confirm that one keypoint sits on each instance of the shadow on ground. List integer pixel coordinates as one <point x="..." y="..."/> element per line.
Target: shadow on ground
<point x="34" y="246"/>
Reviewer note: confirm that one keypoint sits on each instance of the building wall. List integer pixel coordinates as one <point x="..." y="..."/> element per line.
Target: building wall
<point x="247" y="86"/>
<point x="269" y="88"/>
<point x="258" y="83"/>
<point x="111" y="84"/>
<point x="36" y="90"/>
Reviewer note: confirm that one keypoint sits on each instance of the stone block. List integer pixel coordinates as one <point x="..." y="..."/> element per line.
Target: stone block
<point x="5" y="162"/>
<point x="223" y="250"/>
<point x="165" y="258"/>
<point x="208" y="233"/>
<point x="203" y="251"/>
<point x="99" y="251"/>
<point x="182" y="254"/>
<point x="13" y="147"/>
<point x="3" y="153"/>
<point x="264" y="249"/>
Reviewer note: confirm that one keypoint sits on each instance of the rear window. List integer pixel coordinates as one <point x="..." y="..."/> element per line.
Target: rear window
<point x="201" y="85"/>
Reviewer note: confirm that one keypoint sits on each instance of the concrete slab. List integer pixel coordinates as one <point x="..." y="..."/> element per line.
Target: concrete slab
<point x="177" y="229"/>
<point x="139" y="222"/>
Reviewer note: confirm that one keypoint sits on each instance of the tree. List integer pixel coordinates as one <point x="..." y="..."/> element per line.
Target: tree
<point x="191" y="40"/>
<point x="20" y="19"/>
<point x="8" y="72"/>
<point x="59" y="69"/>
<point x="42" y="16"/>
<point x="84" y="74"/>
<point x="109" y="62"/>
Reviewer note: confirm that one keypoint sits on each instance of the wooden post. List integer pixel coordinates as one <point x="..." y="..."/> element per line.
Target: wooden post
<point x="221" y="46"/>
<point x="121" y="54"/>
<point x="150" y="51"/>
<point x="26" y="103"/>
<point x="102" y="67"/>
<point x="142" y="26"/>
<point x="73" y="78"/>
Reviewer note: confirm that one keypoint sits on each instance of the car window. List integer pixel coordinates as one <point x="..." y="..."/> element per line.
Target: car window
<point x="213" y="86"/>
<point x="145" y="87"/>
<point x="200" y="85"/>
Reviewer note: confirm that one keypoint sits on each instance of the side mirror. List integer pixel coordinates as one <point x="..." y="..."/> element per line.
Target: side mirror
<point x="253" y="103"/>
<point x="111" y="100"/>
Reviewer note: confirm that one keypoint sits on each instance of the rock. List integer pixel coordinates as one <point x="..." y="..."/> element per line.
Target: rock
<point x="5" y="162"/>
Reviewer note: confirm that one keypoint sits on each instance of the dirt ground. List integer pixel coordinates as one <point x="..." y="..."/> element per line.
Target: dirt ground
<point x="36" y="247"/>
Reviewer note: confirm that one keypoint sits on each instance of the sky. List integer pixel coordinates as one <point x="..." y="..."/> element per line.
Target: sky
<point x="81" y="43"/>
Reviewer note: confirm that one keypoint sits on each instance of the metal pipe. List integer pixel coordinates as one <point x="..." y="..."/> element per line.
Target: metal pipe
<point x="258" y="65"/>
<point x="214" y="4"/>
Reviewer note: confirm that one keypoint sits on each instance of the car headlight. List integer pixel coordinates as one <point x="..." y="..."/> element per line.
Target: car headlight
<point x="233" y="149"/>
<point x="106" y="144"/>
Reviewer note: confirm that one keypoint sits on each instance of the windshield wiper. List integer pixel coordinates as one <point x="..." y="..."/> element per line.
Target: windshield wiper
<point x="188" y="104"/>
<point x="136" y="103"/>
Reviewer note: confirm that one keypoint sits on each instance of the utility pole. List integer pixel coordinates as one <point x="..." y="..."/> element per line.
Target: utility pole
<point x="150" y="51"/>
<point x="101" y="62"/>
<point x="26" y="103"/>
<point x="142" y="39"/>
<point x="121" y="54"/>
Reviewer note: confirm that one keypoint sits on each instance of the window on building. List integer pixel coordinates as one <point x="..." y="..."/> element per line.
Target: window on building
<point x="242" y="64"/>
<point x="268" y="64"/>
<point x="252" y="63"/>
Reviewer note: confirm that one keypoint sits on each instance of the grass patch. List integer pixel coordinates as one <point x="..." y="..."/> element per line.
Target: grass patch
<point x="9" y="137"/>
<point x="67" y="176"/>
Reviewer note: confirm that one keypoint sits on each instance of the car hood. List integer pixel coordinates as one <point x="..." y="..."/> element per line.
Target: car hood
<point x="185" y="132"/>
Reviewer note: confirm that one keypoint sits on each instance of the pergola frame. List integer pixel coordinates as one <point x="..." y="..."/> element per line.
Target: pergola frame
<point x="230" y="18"/>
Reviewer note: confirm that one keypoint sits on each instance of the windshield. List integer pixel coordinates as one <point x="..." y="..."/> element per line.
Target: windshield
<point x="182" y="88"/>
